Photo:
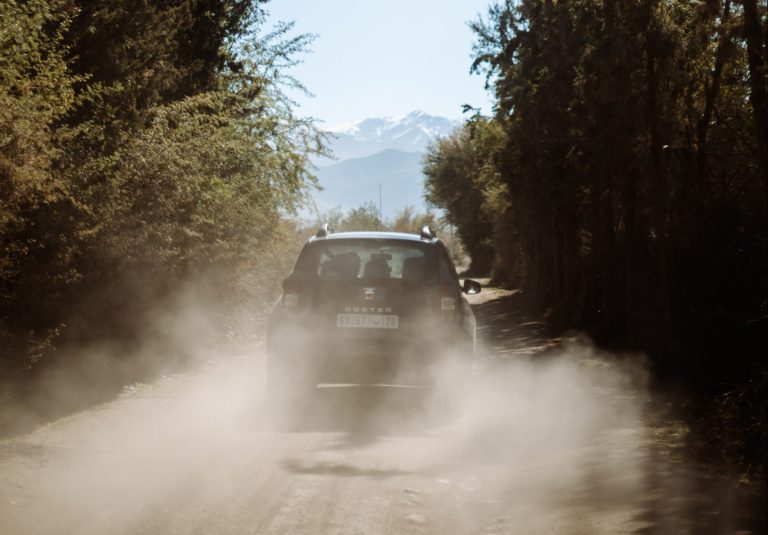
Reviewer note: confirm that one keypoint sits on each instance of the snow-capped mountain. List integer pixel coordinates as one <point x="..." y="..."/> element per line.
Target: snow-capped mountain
<point x="384" y="152"/>
<point x="408" y="133"/>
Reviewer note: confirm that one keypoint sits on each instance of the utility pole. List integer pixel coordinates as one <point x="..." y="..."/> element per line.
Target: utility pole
<point x="379" y="207"/>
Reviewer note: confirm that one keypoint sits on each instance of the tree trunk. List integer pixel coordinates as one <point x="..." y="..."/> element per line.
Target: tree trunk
<point x="756" y="52"/>
<point x="658" y="190"/>
<point x="711" y="93"/>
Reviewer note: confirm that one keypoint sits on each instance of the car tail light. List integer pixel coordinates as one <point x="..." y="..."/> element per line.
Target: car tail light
<point x="290" y="293"/>
<point x="447" y="301"/>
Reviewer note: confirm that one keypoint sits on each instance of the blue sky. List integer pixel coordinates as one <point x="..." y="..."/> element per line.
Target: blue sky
<point x="380" y="59"/>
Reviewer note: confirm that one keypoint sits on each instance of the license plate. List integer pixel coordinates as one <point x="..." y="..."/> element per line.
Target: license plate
<point x="367" y="321"/>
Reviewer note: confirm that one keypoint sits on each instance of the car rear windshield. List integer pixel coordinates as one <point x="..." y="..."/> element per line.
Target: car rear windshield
<point x="368" y="259"/>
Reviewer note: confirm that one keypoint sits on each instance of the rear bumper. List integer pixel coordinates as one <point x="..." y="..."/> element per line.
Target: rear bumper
<point x="364" y="356"/>
<point x="381" y="368"/>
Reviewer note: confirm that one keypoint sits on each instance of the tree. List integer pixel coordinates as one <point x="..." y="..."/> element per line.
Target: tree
<point x="628" y="189"/>
<point x="36" y="233"/>
<point x="142" y="146"/>
<point x="628" y="169"/>
<point x="754" y="35"/>
<point x="454" y="169"/>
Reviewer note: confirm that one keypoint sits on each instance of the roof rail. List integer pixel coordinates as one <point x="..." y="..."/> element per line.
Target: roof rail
<point x="324" y="231"/>
<point x="427" y="233"/>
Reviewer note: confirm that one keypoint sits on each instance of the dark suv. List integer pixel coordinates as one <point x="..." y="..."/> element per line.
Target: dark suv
<point x="369" y="306"/>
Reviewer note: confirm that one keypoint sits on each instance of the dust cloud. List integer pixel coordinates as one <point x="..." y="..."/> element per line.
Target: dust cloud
<point x="170" y="338"/>
<point x="569" y="416"/>
<point x="559" y="441"/>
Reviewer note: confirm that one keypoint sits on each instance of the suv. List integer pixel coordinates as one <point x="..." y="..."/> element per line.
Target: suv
<point x="369" y="306"/>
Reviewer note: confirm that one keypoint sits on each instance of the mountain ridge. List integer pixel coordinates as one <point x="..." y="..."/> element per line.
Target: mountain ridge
<point x="354" y="182"/>
<point x="379" y="151"/>
<point x="409" y="133"/>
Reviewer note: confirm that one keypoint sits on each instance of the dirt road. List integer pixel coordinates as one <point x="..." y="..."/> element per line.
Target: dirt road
<point x="562" y="442"/>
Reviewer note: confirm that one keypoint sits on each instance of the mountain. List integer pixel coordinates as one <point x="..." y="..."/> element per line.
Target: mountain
<point x="409" y="133"/>
<point x="379" y="151"/>
<point x="356" y="181"/>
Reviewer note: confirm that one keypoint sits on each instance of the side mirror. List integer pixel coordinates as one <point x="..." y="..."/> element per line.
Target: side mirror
<point x="471" y="287"/>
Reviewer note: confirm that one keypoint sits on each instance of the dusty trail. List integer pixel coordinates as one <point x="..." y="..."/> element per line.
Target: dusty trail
<point x="560" y="444"/>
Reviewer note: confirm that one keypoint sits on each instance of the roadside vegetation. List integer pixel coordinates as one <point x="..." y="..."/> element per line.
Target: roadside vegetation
<point x="149" y="154"/>
<point x="622" y="178"/>
<point x="366" y="217"/>
<point x="143" y="146"/>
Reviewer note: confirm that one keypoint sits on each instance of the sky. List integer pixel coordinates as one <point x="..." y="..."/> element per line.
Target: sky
<point x="384" y="59"/>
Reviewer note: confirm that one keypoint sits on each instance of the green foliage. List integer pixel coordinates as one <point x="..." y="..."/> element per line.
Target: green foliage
<point x="366" y="218"/>
<point x="621" y="174"/>
<point x="624" y="177"/>
<point x="408" y="220"/>
<point x="142" y="145"/>
<point x="459" y="171"/>
<point x="36" y="91"/>
<point x="140" y="54"/>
